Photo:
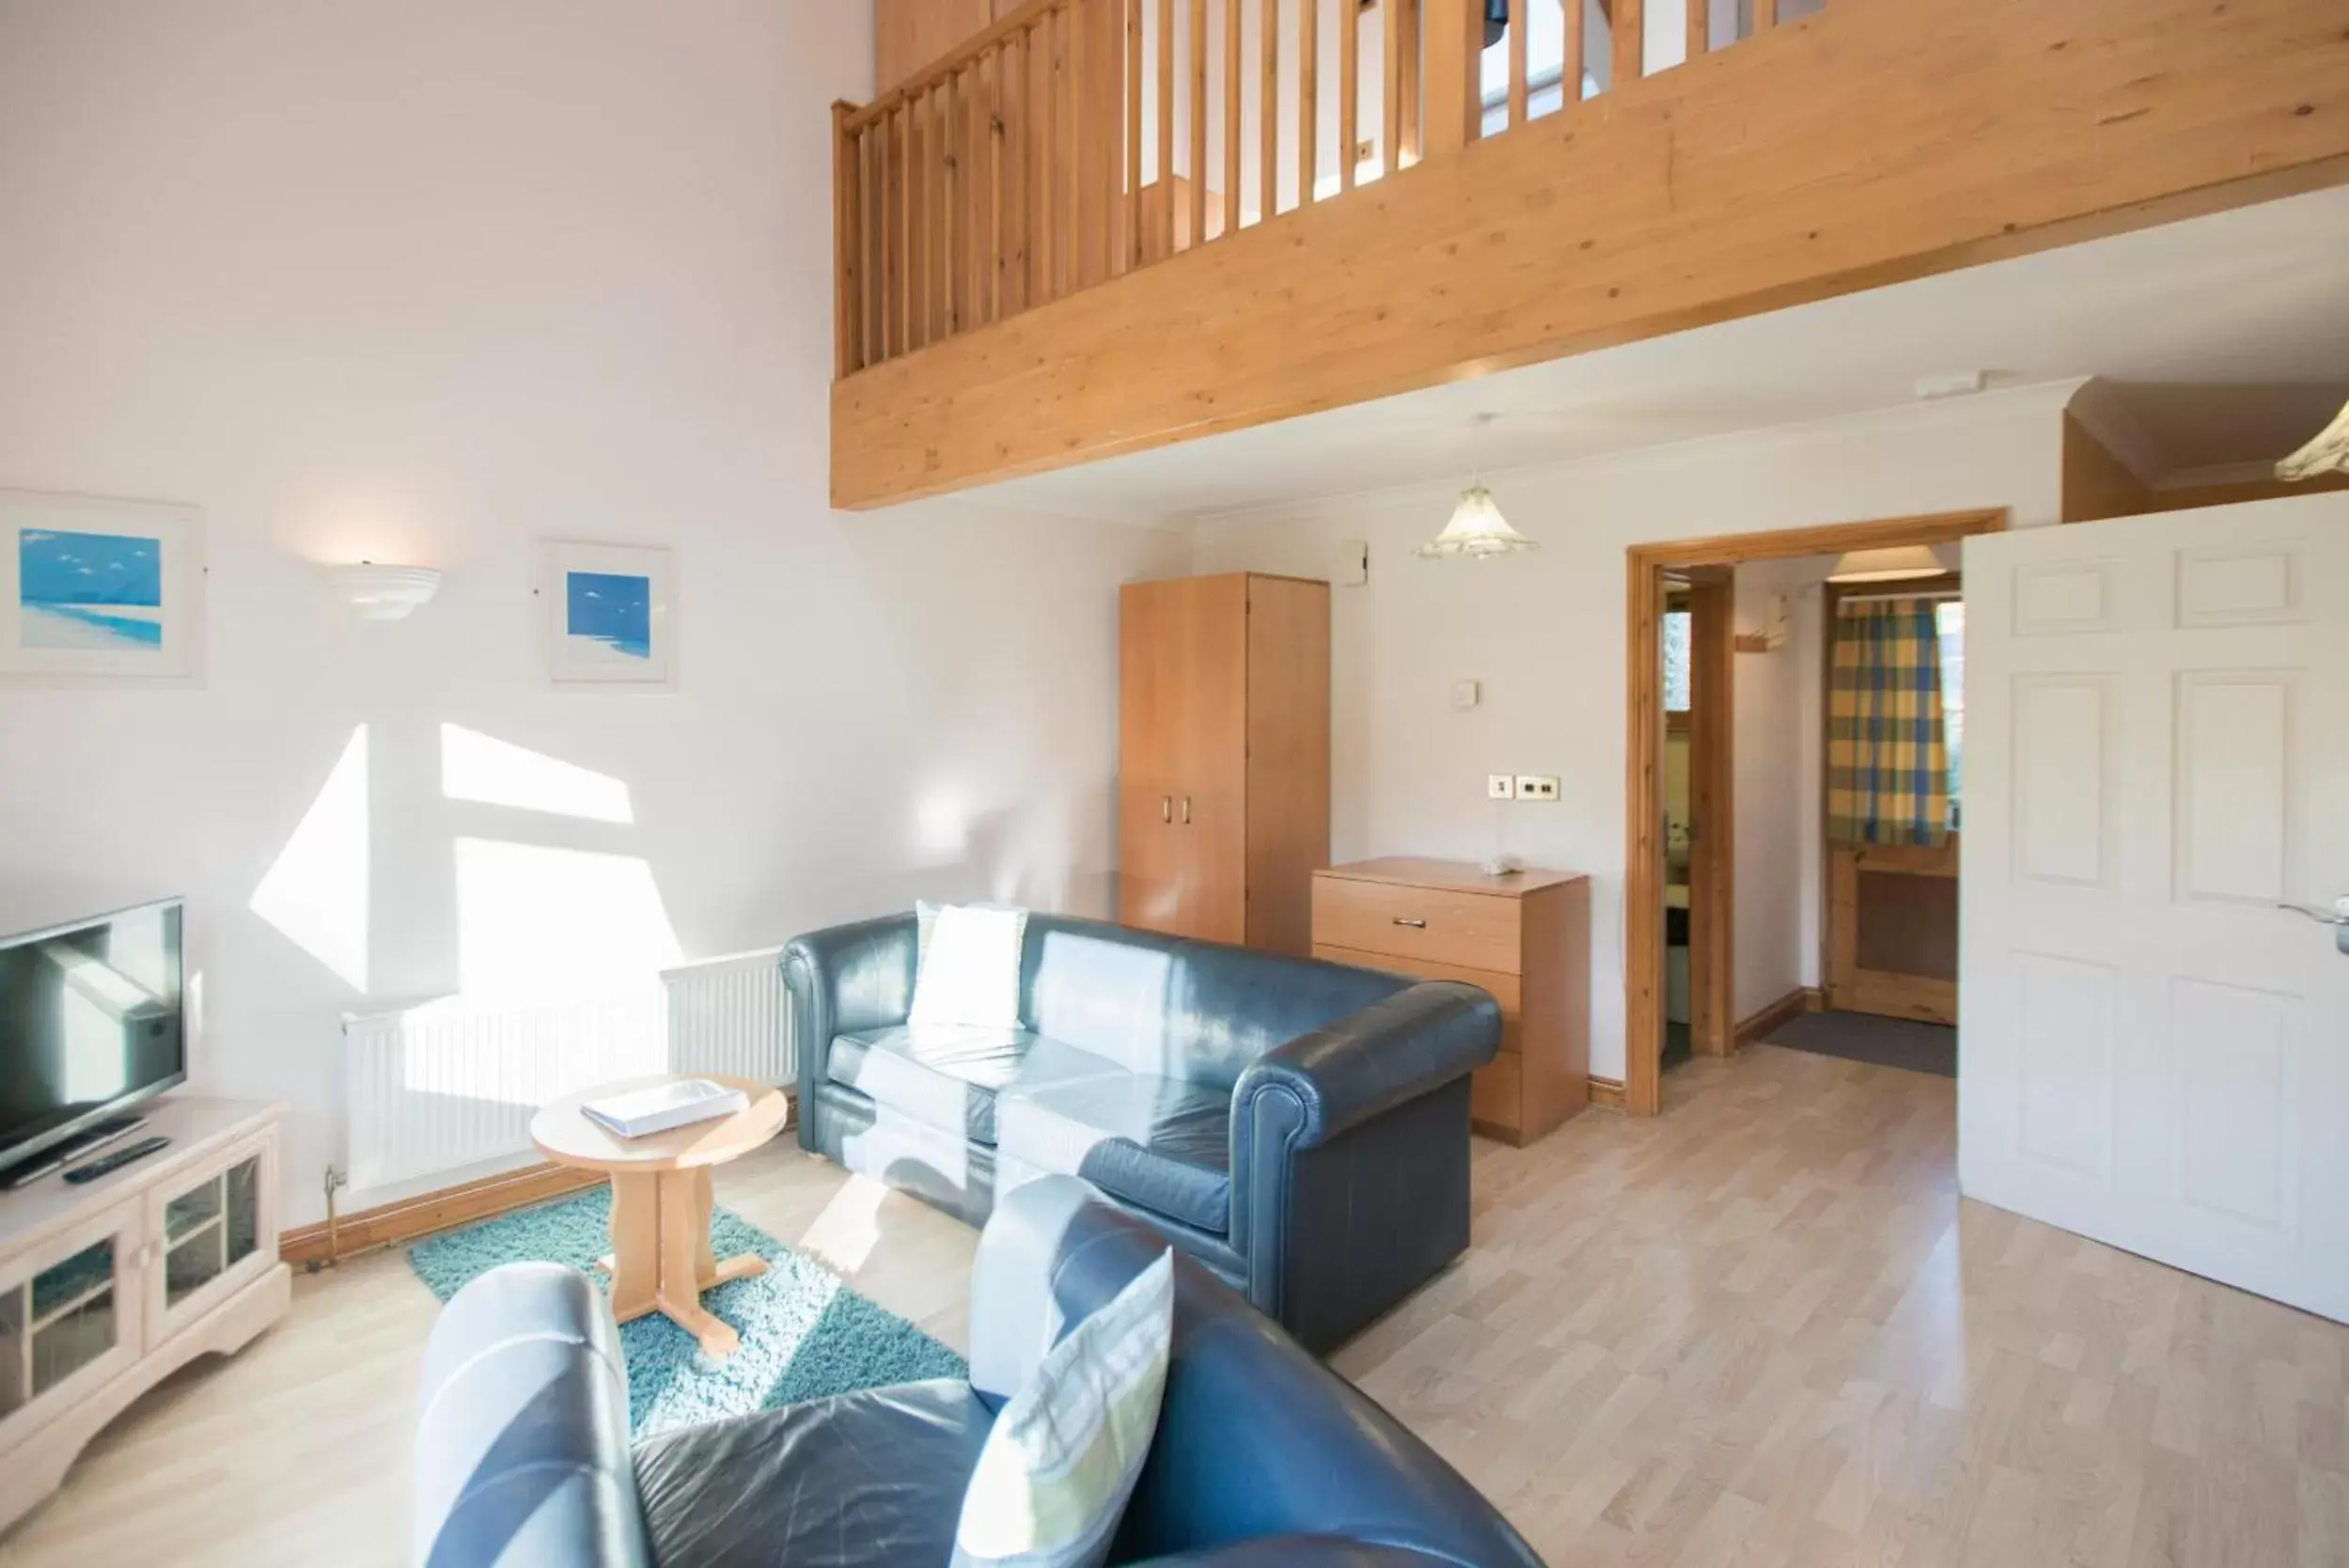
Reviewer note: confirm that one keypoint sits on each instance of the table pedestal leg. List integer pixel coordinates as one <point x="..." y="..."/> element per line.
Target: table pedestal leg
<point x="635" y="1245"/>
<point x="661" y="1255"/>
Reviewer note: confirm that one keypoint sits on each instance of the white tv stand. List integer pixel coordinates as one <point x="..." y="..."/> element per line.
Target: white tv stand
<point x="107" y="1288"/>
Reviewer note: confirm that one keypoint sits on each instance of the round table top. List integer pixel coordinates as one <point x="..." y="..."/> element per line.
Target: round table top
<point x="567" y="1137"/>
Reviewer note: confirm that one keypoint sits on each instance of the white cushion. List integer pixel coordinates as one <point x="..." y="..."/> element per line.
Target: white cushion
<point x="969" y="970"/>
<point x="1062" y="1459"/>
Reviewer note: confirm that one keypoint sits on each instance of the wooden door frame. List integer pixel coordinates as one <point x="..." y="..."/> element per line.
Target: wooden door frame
<point x="1643" y="859"/>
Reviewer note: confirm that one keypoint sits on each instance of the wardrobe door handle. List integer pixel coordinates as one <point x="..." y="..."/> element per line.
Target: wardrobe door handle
<point x="1165" y="808"/>
<point x="1415" y="925"/>
<point x="1186" y="810"/>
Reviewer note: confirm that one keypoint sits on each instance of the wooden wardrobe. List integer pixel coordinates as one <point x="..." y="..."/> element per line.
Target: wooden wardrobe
<point x="1223" y="773"/>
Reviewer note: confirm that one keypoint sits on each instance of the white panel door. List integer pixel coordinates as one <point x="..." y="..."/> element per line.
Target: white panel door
<point x="2154" y="1052"/>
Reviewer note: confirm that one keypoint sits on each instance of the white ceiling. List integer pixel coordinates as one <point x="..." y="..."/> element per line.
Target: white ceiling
<point x="2228" y="335"/>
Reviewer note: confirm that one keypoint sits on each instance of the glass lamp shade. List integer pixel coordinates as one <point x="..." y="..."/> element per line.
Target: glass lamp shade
<point x="1900" y="563"/>
<point x="1477" y="529"/>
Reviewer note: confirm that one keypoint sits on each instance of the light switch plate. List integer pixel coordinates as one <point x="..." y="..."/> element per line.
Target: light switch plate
<point x="1466" y="694"/>
<point x="1500" y="786"/>
<point x="1536" y="786"/>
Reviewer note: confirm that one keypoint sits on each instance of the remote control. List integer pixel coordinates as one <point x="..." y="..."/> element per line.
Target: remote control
<point x="115" y="1161"/>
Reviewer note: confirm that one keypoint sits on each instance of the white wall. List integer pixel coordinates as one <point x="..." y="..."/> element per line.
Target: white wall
<point x="434" y="282"/>
<point x="1777" y="752"/>
<point x="1545" y="633"/>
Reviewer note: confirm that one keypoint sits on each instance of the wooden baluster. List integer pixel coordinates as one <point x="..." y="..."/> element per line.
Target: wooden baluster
<point x="1571" y="64"/>
<point x="871" y="213"/>
<point x="1163" y="243"/>
<point x="917" y="224"/>
<point x="1232" y="116"/>
<point x="1411" y="139"/>
<point x="1268" y="109"/>
<point x="1308" y="97"/>
<point x="1765" y="15"/>
<point x="1198" y="9"/>
<point x="997" y="62"/>
<point x="1390" y="137"/>
<point x="1084" y="250"/>
<point x="1454" y="44"/>
<point x="1700" y="27"/>
<point x="1518" y="91"/>
<point x="1349" y="92"/>
<point x="1071" y="149"/>
<point x="901" y="239"/>
<point x="972" y="163"/>
<point x="953" y="142"/>
<point x="1048" y="165"/>
<point x="1136" y="234"/>
<point x="1014" y="260"/>
<point x="940" y="212"/>
<point x="847" y="227"/>
<point x="1629" y="36"/>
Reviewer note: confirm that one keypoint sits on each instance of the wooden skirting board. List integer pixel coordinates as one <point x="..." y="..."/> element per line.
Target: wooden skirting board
<point x="1608" y="1093"/>
<point x="1840" y="152"/>
<point x="411" y="1219"/>
<point x="1802" y="998"/>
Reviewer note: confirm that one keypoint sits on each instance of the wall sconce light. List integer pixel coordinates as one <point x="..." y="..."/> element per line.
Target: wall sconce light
<point x="383" y="592"/>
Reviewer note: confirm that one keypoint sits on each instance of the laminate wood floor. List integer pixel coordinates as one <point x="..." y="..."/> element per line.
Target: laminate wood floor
<point x="1761" y="1330"/>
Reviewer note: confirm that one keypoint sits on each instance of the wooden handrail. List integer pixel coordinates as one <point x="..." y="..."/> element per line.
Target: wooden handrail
<point x="957" y="59"/>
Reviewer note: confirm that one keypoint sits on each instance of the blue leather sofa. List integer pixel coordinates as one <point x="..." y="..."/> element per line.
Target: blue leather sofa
<point x="1301" y="1128"/>
<point x="1262" y="1455"/>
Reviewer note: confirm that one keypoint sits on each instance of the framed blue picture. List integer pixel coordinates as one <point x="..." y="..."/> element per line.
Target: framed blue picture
<point x="611" y="614"/>
<point x="96" y="588"/>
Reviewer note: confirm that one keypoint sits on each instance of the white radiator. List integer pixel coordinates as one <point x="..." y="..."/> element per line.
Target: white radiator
<point x="455" y="1082"/>
<point x="730" y="1015"/>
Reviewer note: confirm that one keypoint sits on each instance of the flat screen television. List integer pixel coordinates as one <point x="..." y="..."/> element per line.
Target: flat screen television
<point x="90" y="1022"/>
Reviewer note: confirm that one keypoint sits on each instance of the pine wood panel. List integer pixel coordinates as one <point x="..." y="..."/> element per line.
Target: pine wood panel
<point x="909" y="35"/>
<point x="1288" y="758"/>
<point x="1213" y="806"/>
<point x="1149" y="730"/>
<point x="1754" y="180"/>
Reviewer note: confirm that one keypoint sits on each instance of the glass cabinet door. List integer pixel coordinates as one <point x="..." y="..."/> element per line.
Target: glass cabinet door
<point x="208" y="1229"/>
<point x="69" y="1315"/>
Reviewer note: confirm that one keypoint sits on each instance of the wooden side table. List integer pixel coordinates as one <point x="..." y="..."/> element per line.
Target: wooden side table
<point x="661" y="1255"/>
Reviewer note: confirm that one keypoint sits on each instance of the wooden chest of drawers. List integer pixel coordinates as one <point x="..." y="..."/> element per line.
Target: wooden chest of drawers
<point x="1525" y="937"/>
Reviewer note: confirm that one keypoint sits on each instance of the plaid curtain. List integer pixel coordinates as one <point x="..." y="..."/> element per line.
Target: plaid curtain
<point x="1887" y="766"/>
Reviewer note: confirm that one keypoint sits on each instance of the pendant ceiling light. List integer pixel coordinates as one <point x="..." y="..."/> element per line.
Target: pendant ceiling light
<point x="1900" y="563"/>
<point x="2329" y="450"/>
<point x="1477" y="529"/>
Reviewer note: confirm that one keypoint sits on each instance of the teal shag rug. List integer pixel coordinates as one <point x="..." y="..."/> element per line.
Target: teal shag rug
<point x="806" y="1334"/>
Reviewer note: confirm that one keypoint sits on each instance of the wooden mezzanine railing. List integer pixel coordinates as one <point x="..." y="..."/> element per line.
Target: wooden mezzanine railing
<point x="1075" y="141"/>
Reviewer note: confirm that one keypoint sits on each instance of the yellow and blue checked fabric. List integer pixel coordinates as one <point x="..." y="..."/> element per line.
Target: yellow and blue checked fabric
<point x="1887" y="764"/>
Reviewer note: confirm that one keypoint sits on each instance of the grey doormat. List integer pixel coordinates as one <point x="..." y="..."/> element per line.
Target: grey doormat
<point x="1864" y="1037"/>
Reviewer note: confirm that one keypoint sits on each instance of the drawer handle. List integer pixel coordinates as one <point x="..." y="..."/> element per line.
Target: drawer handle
<point x="1415" y="925"/>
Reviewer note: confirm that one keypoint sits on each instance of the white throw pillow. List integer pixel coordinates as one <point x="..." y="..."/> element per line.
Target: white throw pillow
<point x="970" y="967"/>
<point x="1053" y="1480"/>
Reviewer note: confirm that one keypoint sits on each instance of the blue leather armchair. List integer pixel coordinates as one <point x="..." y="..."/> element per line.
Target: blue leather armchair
<point x="1262" y="1455"/>
<point x="1300" y="1128"/>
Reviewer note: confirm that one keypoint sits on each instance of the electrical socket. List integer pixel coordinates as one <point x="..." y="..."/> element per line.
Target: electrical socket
<point x="1500" y="786"/>
<point x="1535" y="786"/>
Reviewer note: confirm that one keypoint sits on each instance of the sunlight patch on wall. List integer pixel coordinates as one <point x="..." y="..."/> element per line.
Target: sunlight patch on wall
<point x="535" y="921"/>
<point x="478" y="767"/>
<point x="316" y="892"/>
